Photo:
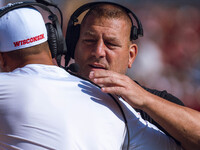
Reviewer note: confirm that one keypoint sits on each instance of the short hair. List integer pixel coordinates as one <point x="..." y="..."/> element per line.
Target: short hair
<point x="108" y="11"/>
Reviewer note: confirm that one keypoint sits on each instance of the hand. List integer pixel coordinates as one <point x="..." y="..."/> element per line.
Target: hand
<point x="119" y="84"/>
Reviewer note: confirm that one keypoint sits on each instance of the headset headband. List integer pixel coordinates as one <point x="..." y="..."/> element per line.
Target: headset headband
<point x="87" y="6"/>
<point x="16" y="5"/>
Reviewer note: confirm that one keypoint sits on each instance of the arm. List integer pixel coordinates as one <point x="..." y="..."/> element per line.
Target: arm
<point x="166" y="96"/>
<point x="181" y="122"/>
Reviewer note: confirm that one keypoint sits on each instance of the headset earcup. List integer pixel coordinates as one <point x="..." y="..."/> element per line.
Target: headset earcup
<point x="76" y="34"/>
<point x="52" y="39"/>
<point x="72" y="36"/>
<point x="134" y="33"/>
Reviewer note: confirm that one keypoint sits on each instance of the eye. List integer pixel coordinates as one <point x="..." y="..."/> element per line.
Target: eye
<point x="111" y="45"/>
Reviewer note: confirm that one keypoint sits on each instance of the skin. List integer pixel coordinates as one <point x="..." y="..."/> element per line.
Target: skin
<point x="104" y="52"/>
<point x="8" y="63"/>
<point x="101" y="44"/>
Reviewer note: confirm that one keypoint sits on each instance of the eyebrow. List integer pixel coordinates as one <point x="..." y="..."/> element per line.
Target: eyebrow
<point x="92" y="34"/>
<point x="89" y="33"/>
<point x="113" y="39"/>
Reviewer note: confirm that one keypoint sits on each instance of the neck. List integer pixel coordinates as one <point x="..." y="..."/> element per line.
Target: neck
<point x="41" y="58"/>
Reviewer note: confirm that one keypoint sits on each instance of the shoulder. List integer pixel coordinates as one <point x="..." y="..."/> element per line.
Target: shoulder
<point x="11" y="81"/>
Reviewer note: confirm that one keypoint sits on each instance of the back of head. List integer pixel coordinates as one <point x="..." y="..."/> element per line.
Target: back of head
<point x="23" y="38"/>
<point x="21" y="28"/>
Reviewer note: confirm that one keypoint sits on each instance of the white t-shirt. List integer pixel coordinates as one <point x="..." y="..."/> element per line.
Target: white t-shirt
<point x="44" y="107"/>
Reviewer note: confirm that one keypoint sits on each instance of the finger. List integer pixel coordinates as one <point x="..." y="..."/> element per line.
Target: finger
<point x="113" y="90"/>
<point x="101" y="73"/>
<point x="108" y="81"/>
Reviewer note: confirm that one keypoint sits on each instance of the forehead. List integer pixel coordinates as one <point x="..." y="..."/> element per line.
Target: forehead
<point x="107" y="25"/>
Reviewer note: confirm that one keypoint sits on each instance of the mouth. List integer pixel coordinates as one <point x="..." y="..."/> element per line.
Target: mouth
<point x="97" y="66"/>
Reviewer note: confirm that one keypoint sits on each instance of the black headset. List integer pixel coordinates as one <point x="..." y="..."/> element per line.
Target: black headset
<point x="73" y="29"/>
<point x="56" y="39"/>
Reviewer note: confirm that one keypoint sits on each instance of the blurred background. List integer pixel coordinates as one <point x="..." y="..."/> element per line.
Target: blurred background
<point x="169" y="53"/>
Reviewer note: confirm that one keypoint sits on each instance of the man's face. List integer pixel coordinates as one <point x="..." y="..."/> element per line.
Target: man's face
<point x="104" y="44"/>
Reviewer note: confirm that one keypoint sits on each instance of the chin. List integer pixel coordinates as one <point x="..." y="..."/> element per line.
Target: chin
<point x="83" y="75"/>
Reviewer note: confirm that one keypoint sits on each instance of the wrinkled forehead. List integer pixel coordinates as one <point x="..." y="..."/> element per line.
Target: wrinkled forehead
<point x="102" y="24"/>
<point x="105" y="22"/>
<point x="105" y="28"/>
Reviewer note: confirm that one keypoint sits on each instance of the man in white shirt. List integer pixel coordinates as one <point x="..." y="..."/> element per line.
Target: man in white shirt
<point x="44" y="107"/>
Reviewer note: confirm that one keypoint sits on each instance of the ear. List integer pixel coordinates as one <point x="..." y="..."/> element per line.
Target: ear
<point x="133" y="49"/>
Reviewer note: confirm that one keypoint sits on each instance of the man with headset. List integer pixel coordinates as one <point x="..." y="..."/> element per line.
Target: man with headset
<point x="44" y="107"/>
<point x="105" y="49"/>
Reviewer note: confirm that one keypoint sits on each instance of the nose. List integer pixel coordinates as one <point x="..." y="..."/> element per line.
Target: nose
<point x="99" y="49"/>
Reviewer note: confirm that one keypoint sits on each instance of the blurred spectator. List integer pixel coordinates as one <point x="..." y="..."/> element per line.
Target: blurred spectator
<point x="1" y="3"/>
